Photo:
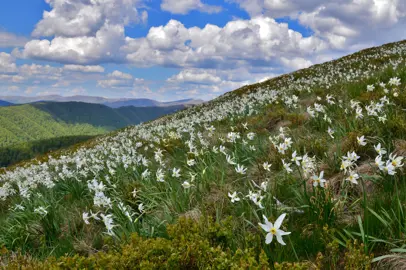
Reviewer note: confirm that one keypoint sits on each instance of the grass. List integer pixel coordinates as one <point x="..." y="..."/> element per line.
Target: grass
<point x="127" y="179"/>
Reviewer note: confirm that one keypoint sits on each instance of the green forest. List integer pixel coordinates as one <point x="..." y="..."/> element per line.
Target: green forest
<point x="31" y="129"/>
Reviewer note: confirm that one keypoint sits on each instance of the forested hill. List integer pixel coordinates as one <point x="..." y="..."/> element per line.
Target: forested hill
<point x="5" y="103"/>
<point x="25" y="129"/>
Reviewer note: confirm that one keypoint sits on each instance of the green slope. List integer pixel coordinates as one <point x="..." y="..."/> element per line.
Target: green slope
<point x="32" y="129"/>
<point x="45" y="120"/>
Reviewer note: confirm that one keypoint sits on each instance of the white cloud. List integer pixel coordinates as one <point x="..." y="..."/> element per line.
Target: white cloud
<point x="120" y="75"/>
<point x="185" y="6"/>
<point x="83" y="31"/>
<point x="195" y="76"/>
<point x="296" y="63"/>
<point x="7" y="63"/>
<point x="117" y="79"/>
<point x="80" y="68"/>
<point x="341" y="23"/>
<point x="77" y="18"/>
<point x="259" y="41"/>
<point x="9" y="40"/>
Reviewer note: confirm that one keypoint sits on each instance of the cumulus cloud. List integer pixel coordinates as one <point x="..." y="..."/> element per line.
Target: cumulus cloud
<point x="195" y="76"/>
<point x="258" y="41"/>
<point x="341" y="23"/>
<point x="9" y="40"/>
<point x="117" y="79"/>
<point x="80" y="68"/>
<point x="83" y="32"/>
<point x="85" y="18"/>
<point x="7" y="63"/>
<point x="185" y="6"/>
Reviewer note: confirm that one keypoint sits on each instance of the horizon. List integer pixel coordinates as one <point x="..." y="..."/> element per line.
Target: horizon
<point x="185" y="49"/>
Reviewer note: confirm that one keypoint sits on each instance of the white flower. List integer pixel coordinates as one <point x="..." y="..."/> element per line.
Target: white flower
<point x="394" y="81"/>
<point x="396" y="161"/>
<point x="108" y="222"/>
<point x="141" y="208"/>
<point x="319" y="180"/>
<point x="233" y="197"/>
<point x="330" y="132"/>
<point x="389" y="168"/>
<point x="361" y="140"/>
<point x="176" y="172"/>
<point x="160" y="176"/>
<point x="287" y="166"/>
<point x="230" y="160"/>
<point x="240" y="169"/>
<point x="267" y="166"/>
<point x="274" y="229"/>
<point x="191" y="162"/>
<point x="296" y="159"/>
<point x="251" y="136"/>
<point x="134" y="192"/>
<point x="370" y="88"/>
<point x="186" y="185"/>
<point x="353" y="177"/>
<point x="86" y="218"/>
<point x="380" y="150"/>
<point x="378" y="162"/>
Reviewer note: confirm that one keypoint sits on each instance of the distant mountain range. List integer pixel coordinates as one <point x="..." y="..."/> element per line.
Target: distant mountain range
<point x="5" y="103"/>
<point x="111" y="102"/>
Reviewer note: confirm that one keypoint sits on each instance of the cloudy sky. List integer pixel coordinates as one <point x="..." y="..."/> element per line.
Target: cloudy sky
<point x="173" y="49"/>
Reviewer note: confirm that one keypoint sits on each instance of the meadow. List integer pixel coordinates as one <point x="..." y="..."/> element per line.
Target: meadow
<point x="303" y="171"/>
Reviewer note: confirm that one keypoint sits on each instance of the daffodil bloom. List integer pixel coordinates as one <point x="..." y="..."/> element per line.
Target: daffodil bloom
<point x="176" y="172"/>
<point x="234" y="198"/>
<point x="287" y="166"/>
<point x="86" y="218"/>
<point x="296" y="159"/>
<point x="274" y="229"/>
<point x="230" y="160"/>
<point x="191" y="162"/>
<point x="378" y="162"/>
<point x="379" y="149"/>
<point x="370" y="88"/>
<point x="330" y="132"/>
<point x="389" y="168"/>
<point x="186" y="185"/>
<point x="396" y="160"/>
<point x="240" y="169"/>
<point x="361" y="141"/>
<point x="353" y="177"/>
<point x="108" y="222"/>
<point x="267" y="166"/>
<point x="319" y="180"/>
<point x="134" y="192"/>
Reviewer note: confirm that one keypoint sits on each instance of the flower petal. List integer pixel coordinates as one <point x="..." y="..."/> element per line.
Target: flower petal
<point x="279" y="221"/>
<point x="268" y="238"/>
<point x="280" y="240"/>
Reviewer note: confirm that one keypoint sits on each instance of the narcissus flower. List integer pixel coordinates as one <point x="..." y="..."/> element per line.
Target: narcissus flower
<point x="361" y="141"/>
<point x="233" y="197"/>
<point x="353" y="177"/>
<point x="319" y="180"/>
<point x="240" y="169"/>
<point x="274" y="229"/>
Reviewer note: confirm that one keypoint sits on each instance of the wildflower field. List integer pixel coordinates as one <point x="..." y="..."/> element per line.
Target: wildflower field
<point x="303" y="171"/>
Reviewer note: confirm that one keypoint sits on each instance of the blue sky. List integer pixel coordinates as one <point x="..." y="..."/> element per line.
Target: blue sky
<point x="173" y="49"/>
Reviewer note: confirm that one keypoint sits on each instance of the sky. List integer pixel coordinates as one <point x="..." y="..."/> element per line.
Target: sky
<point x="175" y="49"/>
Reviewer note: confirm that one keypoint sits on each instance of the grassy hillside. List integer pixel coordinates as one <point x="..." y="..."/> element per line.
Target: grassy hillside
<point x="304" y="171"/>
